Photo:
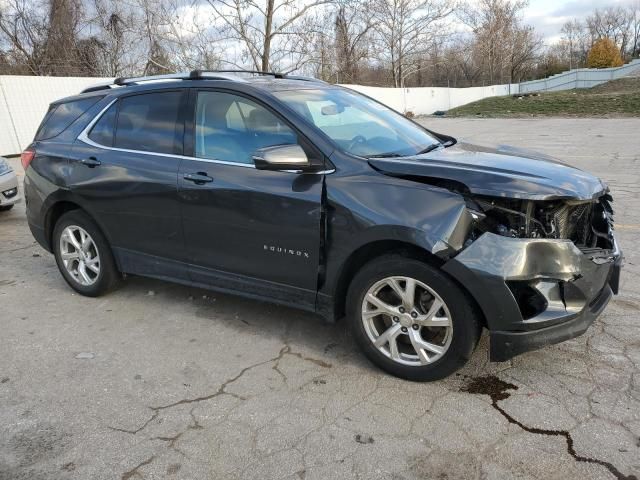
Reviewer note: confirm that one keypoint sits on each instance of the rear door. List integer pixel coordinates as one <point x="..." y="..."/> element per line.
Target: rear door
<point x="246" y="229"/>
<point x="124" y="172"/>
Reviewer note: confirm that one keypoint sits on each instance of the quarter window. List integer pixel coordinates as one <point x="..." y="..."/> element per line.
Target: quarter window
<point x="231" y="128"/>
<point x="102" y="131"/>
<point x="60" y="116"/>
<point x="150" y="122"/>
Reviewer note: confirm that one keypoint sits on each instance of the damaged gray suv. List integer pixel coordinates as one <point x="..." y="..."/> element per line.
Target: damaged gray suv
<point x="290" y="190"/>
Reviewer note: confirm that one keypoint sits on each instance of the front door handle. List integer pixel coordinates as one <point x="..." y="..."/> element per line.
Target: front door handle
<point x="199" y="178"/>
<point x="91" y="162"/>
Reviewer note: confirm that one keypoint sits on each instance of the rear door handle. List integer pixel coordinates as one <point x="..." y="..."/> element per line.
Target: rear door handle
<point x="91" y="162"/>
<point x="199" y="178"/>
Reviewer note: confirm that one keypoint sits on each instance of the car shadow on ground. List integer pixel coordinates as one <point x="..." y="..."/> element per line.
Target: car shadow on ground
<point x="298" y="329"/>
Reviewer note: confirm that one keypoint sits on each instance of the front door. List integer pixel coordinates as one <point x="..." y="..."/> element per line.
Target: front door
<point x="245" y="229"/>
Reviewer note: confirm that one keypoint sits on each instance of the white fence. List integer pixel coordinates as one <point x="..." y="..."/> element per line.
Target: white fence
<point x="580" y="78"/>
<point x="24" y="100"/>
<point x="426" y="100"/>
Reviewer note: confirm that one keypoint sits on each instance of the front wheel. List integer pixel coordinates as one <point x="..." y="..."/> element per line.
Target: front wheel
<point x="410" y="319"/>
<point x="83" y="255"/>
<point x="6" y="208"/>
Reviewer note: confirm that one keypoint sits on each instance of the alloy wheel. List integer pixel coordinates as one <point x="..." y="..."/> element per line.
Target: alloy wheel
<point x="79" y="255"/>
<point x="407" y="321"/>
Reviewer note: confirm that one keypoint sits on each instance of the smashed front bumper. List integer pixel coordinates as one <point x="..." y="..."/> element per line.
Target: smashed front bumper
<point x="535" y="292"/>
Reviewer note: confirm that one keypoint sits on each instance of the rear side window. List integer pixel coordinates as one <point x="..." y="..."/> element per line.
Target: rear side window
<point x="102" y="131"/>
<point x="61" y="115"/>
<point x="150" y="122"/>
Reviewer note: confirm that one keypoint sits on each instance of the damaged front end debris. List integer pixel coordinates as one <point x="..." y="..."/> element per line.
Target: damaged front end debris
<point x="588" y="224"/>
<point x="541" y="271"/>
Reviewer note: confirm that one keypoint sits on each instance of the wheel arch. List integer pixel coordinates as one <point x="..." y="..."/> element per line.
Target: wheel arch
<point x="365" y="253"/>
<point x="57" y="210"/>
<point x="52" y="216"/>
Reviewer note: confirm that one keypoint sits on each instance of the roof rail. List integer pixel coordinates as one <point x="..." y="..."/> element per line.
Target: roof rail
<point x="194" y="75"/>
<point x="207" y="73"/>
<point x="97" y="87"/>
<point x="304" y="78"/>
<point x="122" y="81"/>
<point x="150" y="78"/>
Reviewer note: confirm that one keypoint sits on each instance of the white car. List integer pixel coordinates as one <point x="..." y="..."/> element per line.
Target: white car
<point x="8" y="186"/>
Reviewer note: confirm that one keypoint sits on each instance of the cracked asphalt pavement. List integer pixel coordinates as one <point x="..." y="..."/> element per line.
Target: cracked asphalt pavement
<point x="163" y="381"/>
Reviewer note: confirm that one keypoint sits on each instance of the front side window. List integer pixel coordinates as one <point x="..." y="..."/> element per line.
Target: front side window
<point x="358" y="125"/>
<point x="150" y="122"/>
<point x="60" y="116"/>
<point x="231" y="128"/>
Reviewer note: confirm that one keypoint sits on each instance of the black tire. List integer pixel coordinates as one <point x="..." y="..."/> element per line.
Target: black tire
<point x="109" y="277"/>
<point x="466" y="323"/>
<point x="6" y="208"/>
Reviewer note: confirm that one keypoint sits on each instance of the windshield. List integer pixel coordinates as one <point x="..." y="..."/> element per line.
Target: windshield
<point x="4" y="166"/>
<point x="358" y="125"/>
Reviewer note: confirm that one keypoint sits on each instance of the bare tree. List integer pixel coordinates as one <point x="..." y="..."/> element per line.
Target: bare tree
<point x="155" y="36"/>
<point x="464" y="56"/>
<point x="60" y="50"/>
<point x="406" y="29"/>
<point x="23" y="35"/>
<point x="322" y="65"/>
<point x="45" y="38"/>
<point x="573" y="37"/>
<point x="269" y="30"/>
<point x="523" y="50"/>
<point x="190" y="36"/>
<point x="117" y="30"/>
<point x="377" y="42"/>
<point x="613" y="23"/>
<point x="634" y="24"/>
<point x="504" y="46"/>
<point x="552" y="61"/>
<point x="439" y="66"/>
<point x="353" y="25"/>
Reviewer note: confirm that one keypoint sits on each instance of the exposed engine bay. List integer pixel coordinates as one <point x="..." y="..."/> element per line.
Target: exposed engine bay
<point x="588" y="224"/>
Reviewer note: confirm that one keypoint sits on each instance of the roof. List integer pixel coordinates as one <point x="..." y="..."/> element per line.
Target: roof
<point x="264" y="80"/>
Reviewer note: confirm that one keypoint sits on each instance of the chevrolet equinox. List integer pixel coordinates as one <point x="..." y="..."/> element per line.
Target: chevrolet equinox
<point x="291" y="190"/>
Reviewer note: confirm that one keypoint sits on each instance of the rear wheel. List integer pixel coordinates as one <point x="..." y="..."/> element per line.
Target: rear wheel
<point x="410" y="319"/>
<point x="83" y="255"/>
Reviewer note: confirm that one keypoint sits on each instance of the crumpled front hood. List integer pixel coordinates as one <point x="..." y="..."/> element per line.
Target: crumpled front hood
<point x="498" y="172"/>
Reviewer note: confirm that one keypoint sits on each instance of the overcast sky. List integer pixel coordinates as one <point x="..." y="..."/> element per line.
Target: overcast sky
<point x="548" y="16"/>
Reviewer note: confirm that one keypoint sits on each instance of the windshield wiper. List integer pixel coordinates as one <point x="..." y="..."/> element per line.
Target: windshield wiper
<point x="386" y="155"/>
<point x="430" y="148"/>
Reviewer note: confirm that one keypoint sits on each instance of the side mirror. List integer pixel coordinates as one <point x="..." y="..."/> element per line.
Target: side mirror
<point x="281" y="157"/>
